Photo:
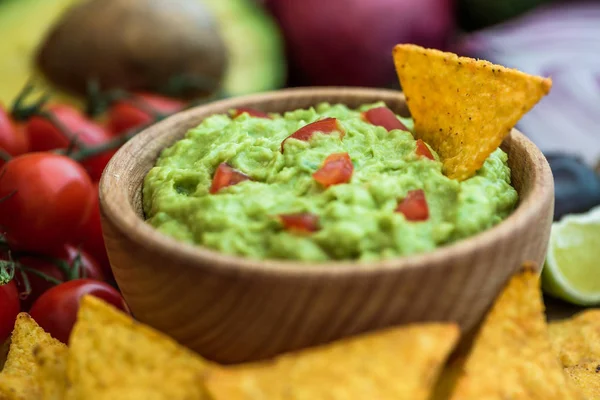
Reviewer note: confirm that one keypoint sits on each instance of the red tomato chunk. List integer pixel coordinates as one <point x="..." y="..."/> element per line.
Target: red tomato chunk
<point x="226" y="176"/>
<point x="336" y="169"/>
<point x="327" y="126"/>
<point x="423" y="150"/>
<point x="300" y="222"/>
<point x="414" y="206"/>
<point x="383" y="116"/>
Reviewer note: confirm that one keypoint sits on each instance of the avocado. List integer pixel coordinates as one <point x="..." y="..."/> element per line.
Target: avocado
<point x="254" y="45"/>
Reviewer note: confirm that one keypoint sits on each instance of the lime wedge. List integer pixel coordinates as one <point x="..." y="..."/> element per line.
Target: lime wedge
<point x="572" y="269"/>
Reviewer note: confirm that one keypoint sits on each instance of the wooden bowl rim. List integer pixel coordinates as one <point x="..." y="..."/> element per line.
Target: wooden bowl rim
<point x="116" y="207"/>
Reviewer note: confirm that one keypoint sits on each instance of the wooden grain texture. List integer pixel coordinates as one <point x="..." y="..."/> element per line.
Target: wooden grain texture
<point x="231" y="309"/>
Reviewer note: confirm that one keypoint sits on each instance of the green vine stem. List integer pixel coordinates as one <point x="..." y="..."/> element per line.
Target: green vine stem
<point x="7" y="271"/>
<point x="22" y="112"/>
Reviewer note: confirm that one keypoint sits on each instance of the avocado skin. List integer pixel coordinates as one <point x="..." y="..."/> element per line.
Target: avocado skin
<point x="257" y="61"/>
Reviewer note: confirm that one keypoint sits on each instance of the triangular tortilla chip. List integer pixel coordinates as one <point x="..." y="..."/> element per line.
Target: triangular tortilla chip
<point x="110" y="352"/>
<point x="395" y="364"/>
<point x="462" y="107"/>
<point x="51" y="371"/>
<point x="18" y="378"/>
<point x="577" y="340"/>
<point x="586" y="377"/>
<point x="512" y="357"/>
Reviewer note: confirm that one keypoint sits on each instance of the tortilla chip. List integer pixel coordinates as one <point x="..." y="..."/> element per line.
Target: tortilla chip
<point x="111" y="353"/>
<point x="18" y="378"/>
<point x="400" y="364"/>
<point x="462" y="107"/>
<point x="577" y="340"/>
<point x="587" y="378"/>
<point x="51" y="371"/>
<point x="512" y="357"/>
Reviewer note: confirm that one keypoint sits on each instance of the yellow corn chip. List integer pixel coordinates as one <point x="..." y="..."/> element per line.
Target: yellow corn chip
<point x="586" y="377"/>
<point x="18" y="378"/>
<point x="462" y="107"/>
<point x="395" y="364"/>
<point x="577" y="340"/>
<point x="111" y="353"/>
<point x="512" y="357"/>
<point x="51" y="371"/>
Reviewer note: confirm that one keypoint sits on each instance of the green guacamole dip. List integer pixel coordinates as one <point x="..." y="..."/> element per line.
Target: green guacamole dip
<point x="357" y="220"/>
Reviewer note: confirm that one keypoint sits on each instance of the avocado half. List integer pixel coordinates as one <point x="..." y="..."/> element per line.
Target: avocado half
<point x="253" y="41"/>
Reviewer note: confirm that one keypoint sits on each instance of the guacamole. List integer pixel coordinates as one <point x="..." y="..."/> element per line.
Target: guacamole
<point x="359" y="220"/>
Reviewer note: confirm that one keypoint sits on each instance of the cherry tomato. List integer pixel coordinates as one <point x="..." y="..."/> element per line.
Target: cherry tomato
<point x="300" y="222"/>
<point x="326" y="125"/>
<point x="89" y="268"/>
<point x="44" y="135"/>
<point x="414" y="206"/>
<point x="251" y="112"/>
<point x="93" y="240"/>
<point x="336" y="169"/>
<point x="423" y="150"/>
<point x="383" y="116"/>
<point x="46" y="199"/>
<point x="125" y="115"/>
<point x="13" y="139"/>
<point x="225" y="175"/>
<point x="9" y="308"/>
<point x="56" y="309"/>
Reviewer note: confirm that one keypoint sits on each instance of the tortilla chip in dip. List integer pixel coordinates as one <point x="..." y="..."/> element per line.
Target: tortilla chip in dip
<point x="112" y="356"/>
<point x="395" y="364"/>
<point x="18" y="378"/>
<point x="577" y="339"/>
<point x="462" y="107"/>
<point x="511" y="356"/>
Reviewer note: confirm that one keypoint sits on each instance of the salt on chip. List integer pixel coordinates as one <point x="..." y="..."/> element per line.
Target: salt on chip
<point x="51" y="371"/>
<point x="462" y="107"/>
<point x="511" y="356"/>
<point x="109" y="352"/>
<point x="18" y="378"/>
<point x="586" y="377"/>
<point x="397" y="364"/>
<point x="577" y="340"/>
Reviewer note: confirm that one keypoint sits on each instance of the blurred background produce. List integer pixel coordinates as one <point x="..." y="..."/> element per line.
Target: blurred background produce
<point x="81" y="77"/>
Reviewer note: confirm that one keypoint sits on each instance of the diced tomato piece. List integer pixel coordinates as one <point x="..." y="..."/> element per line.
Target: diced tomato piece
<point x="336" y="169"/>
<point x="414" y="206"/>
<point x="300" y="222"/>
<point x="225" y="175"/>
<point x="423" y="150"/>
<point x="250" y="111"/>
<point x="383" y="116"/>
<point x="326" y="125"/>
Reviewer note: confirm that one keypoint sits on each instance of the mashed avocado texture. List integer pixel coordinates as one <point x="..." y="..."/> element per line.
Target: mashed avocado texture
<point x="357" y="220"/>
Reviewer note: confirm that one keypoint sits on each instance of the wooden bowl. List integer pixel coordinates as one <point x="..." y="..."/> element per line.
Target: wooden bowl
<point x="232" y="309"/>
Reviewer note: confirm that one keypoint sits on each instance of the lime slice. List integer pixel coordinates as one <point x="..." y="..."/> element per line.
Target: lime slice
<point x="572" y="270"/>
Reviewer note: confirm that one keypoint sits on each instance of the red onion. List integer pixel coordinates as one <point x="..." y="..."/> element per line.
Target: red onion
<point x="349" y="42"/>
<point x="561" y="41"/>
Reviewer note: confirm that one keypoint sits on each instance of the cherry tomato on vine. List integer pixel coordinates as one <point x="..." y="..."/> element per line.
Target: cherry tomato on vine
<point x="88" y="268"/>
<point x="46" y="198"/>
<point x="125" y="115"/>
<point x="56" y="310"/>
<point x="45" y="135"/>
<point x="13" y="139"/>
<point x="93" y="241"/>
<point x="9" y="308"/>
